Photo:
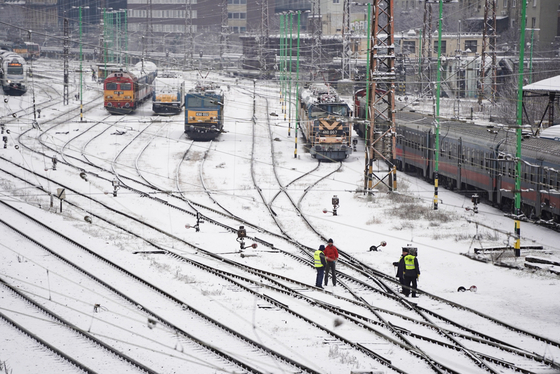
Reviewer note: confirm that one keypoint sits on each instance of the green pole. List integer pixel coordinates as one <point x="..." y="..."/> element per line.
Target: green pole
<point x="420" y="54"/>
<point x="297" y="82"/>
<point x="105" y="41"/>
<point x="283" y="66"/>
<point x="81" y="92"/>
<point x="125" y="34"/>
<point x="531" y="58"/>
<point x="438" y="89"/>
<point x="517" y="246"/>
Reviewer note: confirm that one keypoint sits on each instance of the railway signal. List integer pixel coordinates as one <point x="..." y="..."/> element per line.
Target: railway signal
<point x="198" y="222"/>
<point x="241" y="235"/>
<point x="116" y="186"/>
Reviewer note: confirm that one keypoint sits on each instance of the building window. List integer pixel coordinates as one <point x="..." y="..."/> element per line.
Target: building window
<point x="471" y="45"/>
<point x="443" y="46"/>
<point x="336" y="1"/>
<point x="505" y="3"/>
<point x="409" y="46"/>
<point x="533" y="22"/>
<point x="534" y="3"/>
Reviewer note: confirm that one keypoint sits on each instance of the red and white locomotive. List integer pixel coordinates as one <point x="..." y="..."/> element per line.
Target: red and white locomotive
<point x="124" y="91"/>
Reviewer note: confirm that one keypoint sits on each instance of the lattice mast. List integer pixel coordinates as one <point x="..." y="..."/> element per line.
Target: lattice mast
<point x="427" y="50"/>
<point x="489" y="38"/>
<point x="264" y="38"/>
<point x="346" y="53"/>
<point x="149" y="25"/>
<point x="381" y="97"/>
<point x="66" y="50"/>
<point x="189" y="33"/>
<point x="224" y="32"/>
<point x="316" y="48"/>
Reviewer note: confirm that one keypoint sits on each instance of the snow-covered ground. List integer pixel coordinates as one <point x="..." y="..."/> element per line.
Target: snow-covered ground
<point x="524" y="298"/>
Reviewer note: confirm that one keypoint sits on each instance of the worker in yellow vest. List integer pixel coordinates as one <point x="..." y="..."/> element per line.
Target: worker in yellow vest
<point x="411" y="272"/>
<point x="320" y="264"/>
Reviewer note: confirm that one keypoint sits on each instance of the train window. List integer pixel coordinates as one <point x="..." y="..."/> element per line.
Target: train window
<point x="110" y="86"/>
<point x="126" y="86"/>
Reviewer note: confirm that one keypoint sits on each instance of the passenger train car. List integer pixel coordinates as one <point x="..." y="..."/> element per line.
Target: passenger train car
<point x="13" y="73"/>
<point x="124" y="91"/>
<point x="169" y="96"/>
<point x="204" y="112"/>
<point x="324" y="121"/>
<point x="481" y="159"/>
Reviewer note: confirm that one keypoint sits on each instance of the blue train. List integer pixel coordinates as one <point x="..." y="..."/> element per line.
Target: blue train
<point x="204" y="112"/>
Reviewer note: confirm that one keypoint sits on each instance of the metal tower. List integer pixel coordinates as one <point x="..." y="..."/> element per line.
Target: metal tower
<point x="66" y="50"/>
<point x="224" y="32"/>
<point x="149" y="26"/>
<point x="264" y="38"/>
<point x="317" y="28"/>
<point x="346" y="52"/>
<point x="488" y="48"/>
<point x="381" y="134"/>
<point x="189" y="34"/>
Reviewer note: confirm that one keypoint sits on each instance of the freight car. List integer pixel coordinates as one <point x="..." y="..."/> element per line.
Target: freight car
<point x="13" y="73"/>
<point x="482" y="159"/>
<point x="204" y="112"/>
<point x="169" y="96"/>
<point x="324" y="121"/>
<point x="124" y="91"/>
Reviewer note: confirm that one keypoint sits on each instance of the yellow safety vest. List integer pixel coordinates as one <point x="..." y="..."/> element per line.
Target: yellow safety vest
<point x="409" y="262"/>
<point x="317" y="256"/>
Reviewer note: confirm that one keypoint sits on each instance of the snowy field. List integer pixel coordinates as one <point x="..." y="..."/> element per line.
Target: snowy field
<point x="527" y="299"/>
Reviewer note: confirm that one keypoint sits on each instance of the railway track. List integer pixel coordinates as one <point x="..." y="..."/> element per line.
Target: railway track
<point x="397" y="322"/>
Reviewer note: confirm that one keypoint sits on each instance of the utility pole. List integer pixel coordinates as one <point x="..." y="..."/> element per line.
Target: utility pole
<point x="346" y="53"/>
<point x="66" y="50"/>
<point x="488" y="44"/>
<point x="224" y="29"/>
<point x="382" y="93"/>
<point x="317" y="27"/>
<point x="149" y="25"/>
<point x="517" y="245"/>
<point x="264" y="39"/>
<point x="189" y="34"/>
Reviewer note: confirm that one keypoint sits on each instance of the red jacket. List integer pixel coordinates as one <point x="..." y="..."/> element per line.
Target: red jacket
<point x="331" y="253"/>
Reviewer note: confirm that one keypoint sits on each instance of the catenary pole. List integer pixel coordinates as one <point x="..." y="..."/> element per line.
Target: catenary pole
<point x="438" y="89"/>
<point x="517" y="193"/>
<point x="297" y="85"/>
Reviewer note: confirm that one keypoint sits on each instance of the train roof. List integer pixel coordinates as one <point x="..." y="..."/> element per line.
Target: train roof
<point x="491" y="137"/>
<point x="320" y="93"/>
<point x="170" y="85"/>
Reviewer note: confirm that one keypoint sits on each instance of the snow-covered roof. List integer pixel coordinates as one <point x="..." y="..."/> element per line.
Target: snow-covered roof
<point x="546" y="85"/>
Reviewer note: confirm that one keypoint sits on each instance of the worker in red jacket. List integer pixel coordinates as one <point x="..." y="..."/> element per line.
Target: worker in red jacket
<point x="331" y="255"/>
